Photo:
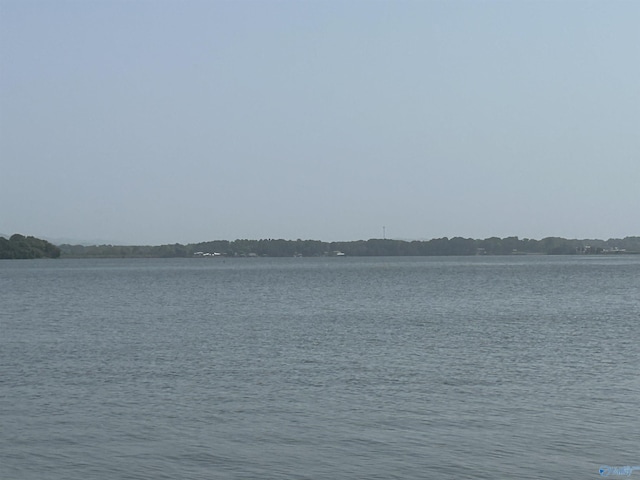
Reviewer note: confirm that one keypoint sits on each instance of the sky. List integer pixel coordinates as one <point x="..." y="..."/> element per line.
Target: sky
<point x="151" y="122"/>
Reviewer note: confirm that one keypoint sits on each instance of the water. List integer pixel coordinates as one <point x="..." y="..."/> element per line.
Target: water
<point x="372" y="368"/>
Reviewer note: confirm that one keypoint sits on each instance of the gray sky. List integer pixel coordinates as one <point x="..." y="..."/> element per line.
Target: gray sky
<point x="185" y="121"/>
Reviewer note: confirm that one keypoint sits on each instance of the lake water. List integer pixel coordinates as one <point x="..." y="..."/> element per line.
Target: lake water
<point x="328" y="368"/>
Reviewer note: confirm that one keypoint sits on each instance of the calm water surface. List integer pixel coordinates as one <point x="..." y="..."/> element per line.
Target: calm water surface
<point x="378" y="368"/>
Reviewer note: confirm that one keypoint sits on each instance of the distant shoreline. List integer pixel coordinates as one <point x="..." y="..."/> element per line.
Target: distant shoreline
<point x="21" y="247"/>
<point x="456" y="246"/>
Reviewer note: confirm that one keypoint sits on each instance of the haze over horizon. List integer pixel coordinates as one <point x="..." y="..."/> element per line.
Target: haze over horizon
<point x="148" y="123"/>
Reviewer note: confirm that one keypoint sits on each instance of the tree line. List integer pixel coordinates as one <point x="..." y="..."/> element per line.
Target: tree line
<point x="21" y="247"/>
<point x="373" y="247"/>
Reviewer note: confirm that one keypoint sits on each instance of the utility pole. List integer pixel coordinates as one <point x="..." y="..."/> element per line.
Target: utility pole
<point x="384" y="232"/>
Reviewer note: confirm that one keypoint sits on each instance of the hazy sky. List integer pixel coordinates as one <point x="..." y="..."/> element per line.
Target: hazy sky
<point x="155" y="122"/>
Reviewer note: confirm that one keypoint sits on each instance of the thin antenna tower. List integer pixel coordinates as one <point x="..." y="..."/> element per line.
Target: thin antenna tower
<point x="384" y="232"/>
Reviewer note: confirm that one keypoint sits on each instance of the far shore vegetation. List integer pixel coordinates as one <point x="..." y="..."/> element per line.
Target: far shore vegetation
<point x="19" y="246"/>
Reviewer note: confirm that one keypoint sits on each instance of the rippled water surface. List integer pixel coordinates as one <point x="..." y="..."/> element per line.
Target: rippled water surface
<point x="378" y="368"/>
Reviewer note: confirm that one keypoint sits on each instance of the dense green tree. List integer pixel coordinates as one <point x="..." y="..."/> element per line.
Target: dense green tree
<point x="21" y="247"/>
